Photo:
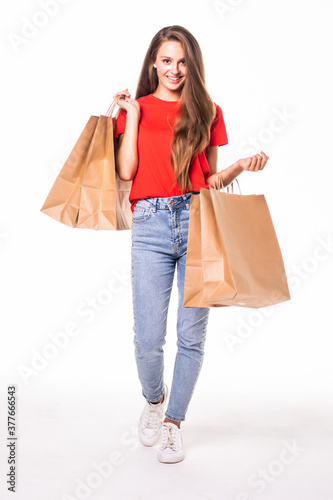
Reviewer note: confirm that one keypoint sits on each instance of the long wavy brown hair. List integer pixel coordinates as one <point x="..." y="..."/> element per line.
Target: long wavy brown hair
<point x="197" y="109"/>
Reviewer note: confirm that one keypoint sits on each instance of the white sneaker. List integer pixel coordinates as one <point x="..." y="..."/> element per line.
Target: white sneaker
<point x="171" y="448"/>
<point x="150" y="423"/>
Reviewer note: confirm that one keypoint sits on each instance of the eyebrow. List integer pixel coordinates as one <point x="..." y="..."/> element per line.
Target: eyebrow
<point x="168" y="57"/>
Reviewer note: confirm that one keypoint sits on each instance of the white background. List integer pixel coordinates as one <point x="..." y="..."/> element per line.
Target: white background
<point x="273" y="383"/>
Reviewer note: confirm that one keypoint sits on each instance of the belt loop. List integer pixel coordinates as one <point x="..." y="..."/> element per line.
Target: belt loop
<point x="154" y="204"/>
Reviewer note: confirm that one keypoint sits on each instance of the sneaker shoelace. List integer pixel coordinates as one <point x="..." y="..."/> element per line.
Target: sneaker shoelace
<point x="152" y="418"/>
<point x="169" y="437"/>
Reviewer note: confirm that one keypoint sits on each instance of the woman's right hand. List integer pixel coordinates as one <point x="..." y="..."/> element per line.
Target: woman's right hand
<point x="127" y="103"/>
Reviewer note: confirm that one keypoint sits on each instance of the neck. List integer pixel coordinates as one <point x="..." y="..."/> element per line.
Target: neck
<point x="166" y="96"/>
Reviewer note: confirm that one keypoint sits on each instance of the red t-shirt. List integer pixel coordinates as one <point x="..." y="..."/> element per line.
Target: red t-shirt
<point x="155" y="175"/>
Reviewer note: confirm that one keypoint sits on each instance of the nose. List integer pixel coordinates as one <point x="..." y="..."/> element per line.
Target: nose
<point x="175" y="69"/>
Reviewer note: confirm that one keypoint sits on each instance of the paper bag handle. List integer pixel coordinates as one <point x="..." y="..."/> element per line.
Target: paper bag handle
<point x="220" y="185"/>
<point x="113" y="105"/>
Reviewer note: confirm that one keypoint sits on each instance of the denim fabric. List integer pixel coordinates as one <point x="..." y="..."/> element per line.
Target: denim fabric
<point x="159" y="242"/>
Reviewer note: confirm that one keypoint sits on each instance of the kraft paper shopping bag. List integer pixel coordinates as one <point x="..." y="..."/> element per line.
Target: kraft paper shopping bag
<point x="88" y="192"/>
<point x="252" y="262"/>
<point x="194" y="282"/>
<point x="241" y="260"/>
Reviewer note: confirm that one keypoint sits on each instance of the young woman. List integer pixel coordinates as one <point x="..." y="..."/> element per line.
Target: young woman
<point x="167" y="144"/>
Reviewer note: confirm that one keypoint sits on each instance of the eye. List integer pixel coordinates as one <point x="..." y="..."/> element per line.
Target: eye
<point x="166" y="60"/>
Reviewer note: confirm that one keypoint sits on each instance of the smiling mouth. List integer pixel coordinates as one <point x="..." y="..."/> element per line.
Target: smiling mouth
<point x="174" y="79"/>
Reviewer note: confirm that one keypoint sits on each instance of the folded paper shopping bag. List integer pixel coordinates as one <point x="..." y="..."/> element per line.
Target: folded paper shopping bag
<point x="245" y="260"/>
<point x="88" y="192"/>
<point x="233" y="256"/>
<point x="194" y="282"/>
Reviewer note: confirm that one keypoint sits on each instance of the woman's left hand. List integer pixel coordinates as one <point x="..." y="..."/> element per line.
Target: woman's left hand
<point x="253" y="163"/>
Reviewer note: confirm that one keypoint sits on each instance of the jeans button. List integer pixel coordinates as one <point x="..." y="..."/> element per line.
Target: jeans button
<point x="171" y="202"/>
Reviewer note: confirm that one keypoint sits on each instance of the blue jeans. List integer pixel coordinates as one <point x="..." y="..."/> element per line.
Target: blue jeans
<point x="159" y="241"/>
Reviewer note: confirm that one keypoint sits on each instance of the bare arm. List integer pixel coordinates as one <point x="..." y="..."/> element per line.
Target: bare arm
<point x="253" y="163"/>
<point x="126" y="155"/>
<point x="126" y="151"/>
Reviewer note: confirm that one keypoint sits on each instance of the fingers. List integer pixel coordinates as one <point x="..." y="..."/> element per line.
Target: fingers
<point x="264" y="161"/>
<point x="252" y="164"/>
<point x="258" y="162"/>
<point x="125" y="93"/>
<point x="248" y="163"/>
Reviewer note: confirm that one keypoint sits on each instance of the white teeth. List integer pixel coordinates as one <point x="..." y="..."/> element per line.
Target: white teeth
<point x="173" y="79"/>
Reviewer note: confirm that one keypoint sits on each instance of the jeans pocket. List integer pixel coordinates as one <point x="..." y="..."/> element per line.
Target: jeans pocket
<point x="142" y="212"/>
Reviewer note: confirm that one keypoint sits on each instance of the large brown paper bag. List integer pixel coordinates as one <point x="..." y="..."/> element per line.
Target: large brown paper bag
<point x="88" y="192"/>
<point x="194" y="282"/>
<point x="252" y="261"/>
<point x="215" y="269"/>
<point x="241" y="259"/>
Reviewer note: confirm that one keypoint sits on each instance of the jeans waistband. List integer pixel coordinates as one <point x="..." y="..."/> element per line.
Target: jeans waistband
<point x="168" y="202"/>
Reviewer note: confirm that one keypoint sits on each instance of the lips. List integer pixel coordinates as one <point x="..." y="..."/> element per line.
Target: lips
<point x="174" y="79"/>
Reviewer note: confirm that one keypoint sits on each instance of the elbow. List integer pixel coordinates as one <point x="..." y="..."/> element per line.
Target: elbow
<point x="128" y="173"/>
<point x="131" y="174"/>
<point x="126" y="177"/>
